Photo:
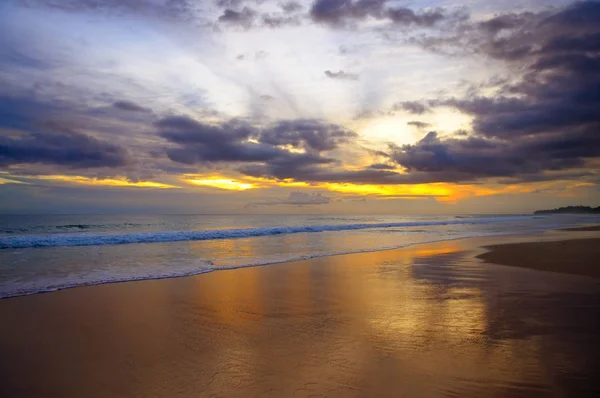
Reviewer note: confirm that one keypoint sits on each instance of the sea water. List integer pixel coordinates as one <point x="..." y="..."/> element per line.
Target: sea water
<point x="44" y="253"/>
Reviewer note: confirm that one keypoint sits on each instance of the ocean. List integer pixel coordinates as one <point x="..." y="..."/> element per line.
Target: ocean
<point x="41" y="253"/>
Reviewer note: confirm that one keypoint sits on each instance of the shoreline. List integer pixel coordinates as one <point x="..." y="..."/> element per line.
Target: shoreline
<point x="570" y="256"/>
<point x="507" y="236"/>
<point x="367" y="324"/>
<point x="52" y="289"/>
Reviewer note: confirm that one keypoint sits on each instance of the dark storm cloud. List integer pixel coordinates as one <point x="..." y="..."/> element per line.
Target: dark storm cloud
<point x="559" y="93"/>
<point x="478" y="157"/>
<point x="60" y="146"/>
<point x="339" y="13"/>
<point x="297" y="198"/>
<point x="237" y="141"/>
<point x="129" y="106"/>
<point x="341" y="75"/>
<point x="516" y="37"/>
<point x="212" y="143"/>
<point x="306" y="133"/>
<point x="562" y="44"/>
<point x="50" y="136"/>
<point x="548" y="121"/>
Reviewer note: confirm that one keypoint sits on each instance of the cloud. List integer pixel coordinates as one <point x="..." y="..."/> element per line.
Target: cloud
<point x="297" y="199"/>
<point x="479" y="157"/>
<point x="407" y="16"/>
<point x="229" y="3"/>
<point x="244" y="18"/>
<point x="313" y="173"/>
<point x="559" y="95"/>
<point x="60" y="146"/>
<point x="418" y="124"/>
<point x="341" y="75"/>
<point x="412" y="107"/>
<point x="549" y="176"/>
<point x="516" y="37"/>
<point x="247" y="18"/>
<point x="307" y="133"/>
<point x="368" y="114"/>
<point x="291" y="7"/>
<point x="171" y="9"/>
<point x="129" y="106"/>
<point x="48" y="135"/>
<point x="199" y="142"/>
<point x="546" y="121"/>
<point x="382" y="166"/>
<point x="541" y="121"/>
<point x="281" y="147"/>
<point x="274" y="21"/>
<point x="339" y="13"/>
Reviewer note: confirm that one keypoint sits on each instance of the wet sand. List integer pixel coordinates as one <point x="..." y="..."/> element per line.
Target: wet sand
<point x="583" y="229"/>
<point x="424" y="321"/>
<point x="573" y="256"/>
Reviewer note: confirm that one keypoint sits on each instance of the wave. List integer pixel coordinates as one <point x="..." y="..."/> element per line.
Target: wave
<point x="46" y="286"/>
<point x="94" y="239"/>
<point x="69" y="227"/>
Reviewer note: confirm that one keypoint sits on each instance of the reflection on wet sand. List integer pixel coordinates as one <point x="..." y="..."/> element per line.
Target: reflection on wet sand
<point x="428" y="320"/>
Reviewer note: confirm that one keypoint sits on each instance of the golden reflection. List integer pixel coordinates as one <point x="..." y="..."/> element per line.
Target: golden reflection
<point x="401" y="311"/>
<point x="235" y="299"/>
<point x="434" y="250"/>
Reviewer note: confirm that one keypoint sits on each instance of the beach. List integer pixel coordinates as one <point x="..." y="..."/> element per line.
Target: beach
<point x="574" y="256"/>
<point x="427" y="320"/>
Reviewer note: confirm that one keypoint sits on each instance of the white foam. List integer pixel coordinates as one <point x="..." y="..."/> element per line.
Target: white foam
<point x="92" y="239"/>
<point x="14" y="288"/>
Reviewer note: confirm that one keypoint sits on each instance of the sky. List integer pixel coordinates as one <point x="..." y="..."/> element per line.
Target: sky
<point x="320" y="106"/>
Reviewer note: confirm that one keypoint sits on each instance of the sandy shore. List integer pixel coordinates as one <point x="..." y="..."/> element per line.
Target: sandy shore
<point x="574" y="256"/>
<point x="591" y="228"/>
<point x="424" y="321"/>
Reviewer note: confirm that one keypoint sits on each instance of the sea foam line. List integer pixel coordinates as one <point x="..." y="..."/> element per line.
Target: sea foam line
<point x="93" y="239"/>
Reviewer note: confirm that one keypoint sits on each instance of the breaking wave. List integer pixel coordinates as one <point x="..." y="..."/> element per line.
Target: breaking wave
<point x="93" y="239"/>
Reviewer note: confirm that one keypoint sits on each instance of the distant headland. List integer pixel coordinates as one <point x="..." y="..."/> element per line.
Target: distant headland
<point x="571" y="210"/>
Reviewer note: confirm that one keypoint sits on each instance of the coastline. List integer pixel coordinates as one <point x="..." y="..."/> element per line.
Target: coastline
<point x="551" y="235"/>
<point x="348" y="325"/>
<point x="570" y="255"/>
